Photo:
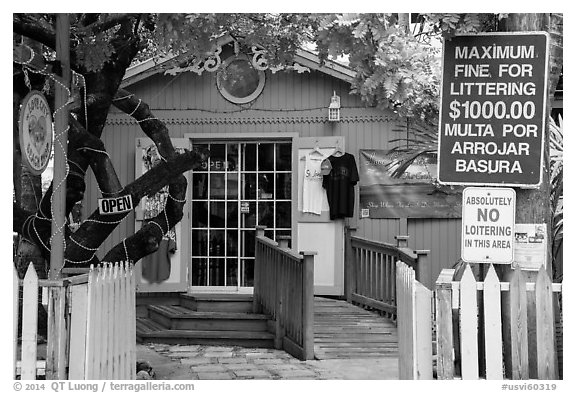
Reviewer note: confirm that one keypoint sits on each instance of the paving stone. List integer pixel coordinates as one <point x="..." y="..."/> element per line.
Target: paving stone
<point x="232" y="360"/>
<point x="241" y="366"/>
<point x="214" y="376"/>
<point x="252" y="374"/>
<point x="185" y="348"/>
<point x="219" y="349"/>
<point x="218" y="354"/>
<point x="283" y="367"/>
<point x="260" y="355"/>
<point x="295" y="374"/>
<point x="196" y="361"/>
<point x="212" y="368"/>
<point x="268" y="361"/>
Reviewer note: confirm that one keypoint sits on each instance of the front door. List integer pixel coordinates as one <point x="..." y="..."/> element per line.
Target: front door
<point x="243" y="184"/>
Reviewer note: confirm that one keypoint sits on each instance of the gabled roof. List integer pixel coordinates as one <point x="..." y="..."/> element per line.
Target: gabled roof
<point x="303" y="57"/>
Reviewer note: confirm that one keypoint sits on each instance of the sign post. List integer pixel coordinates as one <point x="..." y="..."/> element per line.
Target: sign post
<point x="488" y="217"/>
<point x="493" y="109"/>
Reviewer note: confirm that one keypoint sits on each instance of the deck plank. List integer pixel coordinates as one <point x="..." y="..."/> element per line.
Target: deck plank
<point x="346" y="331"/>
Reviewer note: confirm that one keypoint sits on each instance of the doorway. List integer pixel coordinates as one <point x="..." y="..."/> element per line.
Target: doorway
<point x="243" y="184"/>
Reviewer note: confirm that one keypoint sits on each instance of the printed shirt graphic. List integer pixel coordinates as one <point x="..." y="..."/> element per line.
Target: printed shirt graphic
<point x="312" y="191"/>
<point x="339" y="185"/>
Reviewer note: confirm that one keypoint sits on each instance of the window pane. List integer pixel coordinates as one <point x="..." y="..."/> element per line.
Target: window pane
<point x="232" y="157"/>
<point x="232" y="243"/>
<point x="217" y="189"/>
<point x="199" y="214"/>
<point x="217" y="272"/>
<point x="266" y="185"/>
<point x="249" y="219"/>
<point x="199" y="186"/>
<point x="199" y="242"/>
<point x="204" y="166"/>
<point x="232" y="215"/>
<point x="248" y="239"/>
<point x="217" y="215"/>
<point x="232" y="186"/>
<point x="266" y="157"/>
<point x="199" y="271"/>
<point x="217" y="157"/>
<point x="231" y="272"/>
<point x="248" y="272"/>
<point x="283" y="157"/>
<point x="217" y="243"/>
<point x="249" y="186"/>
<point x="266" y="214"/>
<point x="283" y="186"/>
<point x="283" y="214"/>
<point x="249" y="157"/>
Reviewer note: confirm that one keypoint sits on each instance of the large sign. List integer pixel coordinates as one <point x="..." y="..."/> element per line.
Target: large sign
<point x="488" y="218"/>
<point x="413" y="195"/>
<point x="35" y="132"/>
<point x="493" y="109"/>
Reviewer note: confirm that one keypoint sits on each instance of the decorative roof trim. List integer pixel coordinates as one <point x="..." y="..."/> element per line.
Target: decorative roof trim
<point x="255" y="120"/>
<point x="303" y="60"/>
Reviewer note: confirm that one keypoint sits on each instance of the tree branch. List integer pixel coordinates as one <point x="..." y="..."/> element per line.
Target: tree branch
<point x="33" y="30"/>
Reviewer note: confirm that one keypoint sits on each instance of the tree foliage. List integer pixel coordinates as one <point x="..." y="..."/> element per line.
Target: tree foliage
<point x="395" y="68"/>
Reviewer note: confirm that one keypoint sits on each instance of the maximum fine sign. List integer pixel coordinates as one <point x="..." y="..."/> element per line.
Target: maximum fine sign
<point x="493" y="109"/>
<point x="488" y="218"/>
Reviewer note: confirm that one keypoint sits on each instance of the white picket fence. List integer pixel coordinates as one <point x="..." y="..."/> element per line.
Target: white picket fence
<point x="484" y="330"/>
<point x="492" y="330"/>
<point x="414" y="321"/>
<point x="91" y="325"/>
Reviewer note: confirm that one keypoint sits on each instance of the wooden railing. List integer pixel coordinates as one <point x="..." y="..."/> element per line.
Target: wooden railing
<point x="91" y="325"/>
<point x="414" y="323"/>
<point x="371" y="271"/>
<point x="517" y="337"/>
<point x="284" y="289"/>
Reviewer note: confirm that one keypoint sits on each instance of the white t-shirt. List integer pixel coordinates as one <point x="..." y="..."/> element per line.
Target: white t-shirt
<point x="312" y="191"/>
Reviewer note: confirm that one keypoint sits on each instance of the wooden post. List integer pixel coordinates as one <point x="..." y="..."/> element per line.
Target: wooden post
<point x="15" y="313"/>
<point x="423" y="273"/>
<point x="350" y="265"/>
<point x="545" y="328"/>
<point x="492" y="326"/>
<point x="308" y="304"/>
<point x="444" y="333"/>
<point x="256" y="306"/>
<point x="468" y="325"/>
<point x="29" y="324"/>
<point x="533" y="205"/>
<point x="60" y="146"/>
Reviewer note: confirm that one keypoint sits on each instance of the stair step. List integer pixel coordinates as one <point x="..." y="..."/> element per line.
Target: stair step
<point x="217" y="302"/>
<point x="148" y="330"/>
<point x="182" y="318"/>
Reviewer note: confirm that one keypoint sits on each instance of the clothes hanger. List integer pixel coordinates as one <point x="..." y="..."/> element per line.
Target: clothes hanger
<point x="338" y="152"/>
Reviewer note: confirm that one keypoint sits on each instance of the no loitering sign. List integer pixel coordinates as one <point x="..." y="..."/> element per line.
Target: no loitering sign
<point x="488" y="219"/>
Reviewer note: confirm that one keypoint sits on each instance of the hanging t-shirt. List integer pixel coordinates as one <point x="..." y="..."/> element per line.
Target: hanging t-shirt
<point x="156" y="266"/>
<point x="312" y="191"/>
<point x="339" y="185"/>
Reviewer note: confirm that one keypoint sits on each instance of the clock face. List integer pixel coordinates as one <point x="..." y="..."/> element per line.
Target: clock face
<point x="36" y="131"/>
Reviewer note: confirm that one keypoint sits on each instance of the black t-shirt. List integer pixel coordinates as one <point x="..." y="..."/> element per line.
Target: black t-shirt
<point x="339" y="185"/>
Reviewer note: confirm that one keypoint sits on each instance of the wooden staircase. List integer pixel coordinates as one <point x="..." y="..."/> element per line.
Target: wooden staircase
<point x="208" y="319"/>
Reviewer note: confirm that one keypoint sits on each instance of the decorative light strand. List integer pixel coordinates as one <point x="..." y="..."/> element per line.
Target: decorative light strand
<point x="136" y="108"/>
<point x="125" y="249"/>
<point x="176" y="200"/>
<point x="81" y="245"/>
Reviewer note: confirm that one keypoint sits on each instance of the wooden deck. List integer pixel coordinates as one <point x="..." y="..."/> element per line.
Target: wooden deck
<point x="345" y="331"/>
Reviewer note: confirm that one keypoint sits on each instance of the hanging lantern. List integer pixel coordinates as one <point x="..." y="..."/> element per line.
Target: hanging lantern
<point x="334" y="108"/>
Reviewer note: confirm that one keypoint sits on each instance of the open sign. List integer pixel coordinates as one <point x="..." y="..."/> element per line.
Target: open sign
<point x="116" y="205"/>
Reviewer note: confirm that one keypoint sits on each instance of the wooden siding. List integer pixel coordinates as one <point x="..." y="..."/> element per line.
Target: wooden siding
<point x="290" y="102"/>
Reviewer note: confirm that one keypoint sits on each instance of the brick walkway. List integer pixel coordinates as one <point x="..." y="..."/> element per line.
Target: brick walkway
<point x="200" y="362"/>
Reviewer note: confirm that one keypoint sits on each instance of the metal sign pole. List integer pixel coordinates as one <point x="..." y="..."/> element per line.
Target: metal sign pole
<point x="60" y="146"/>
